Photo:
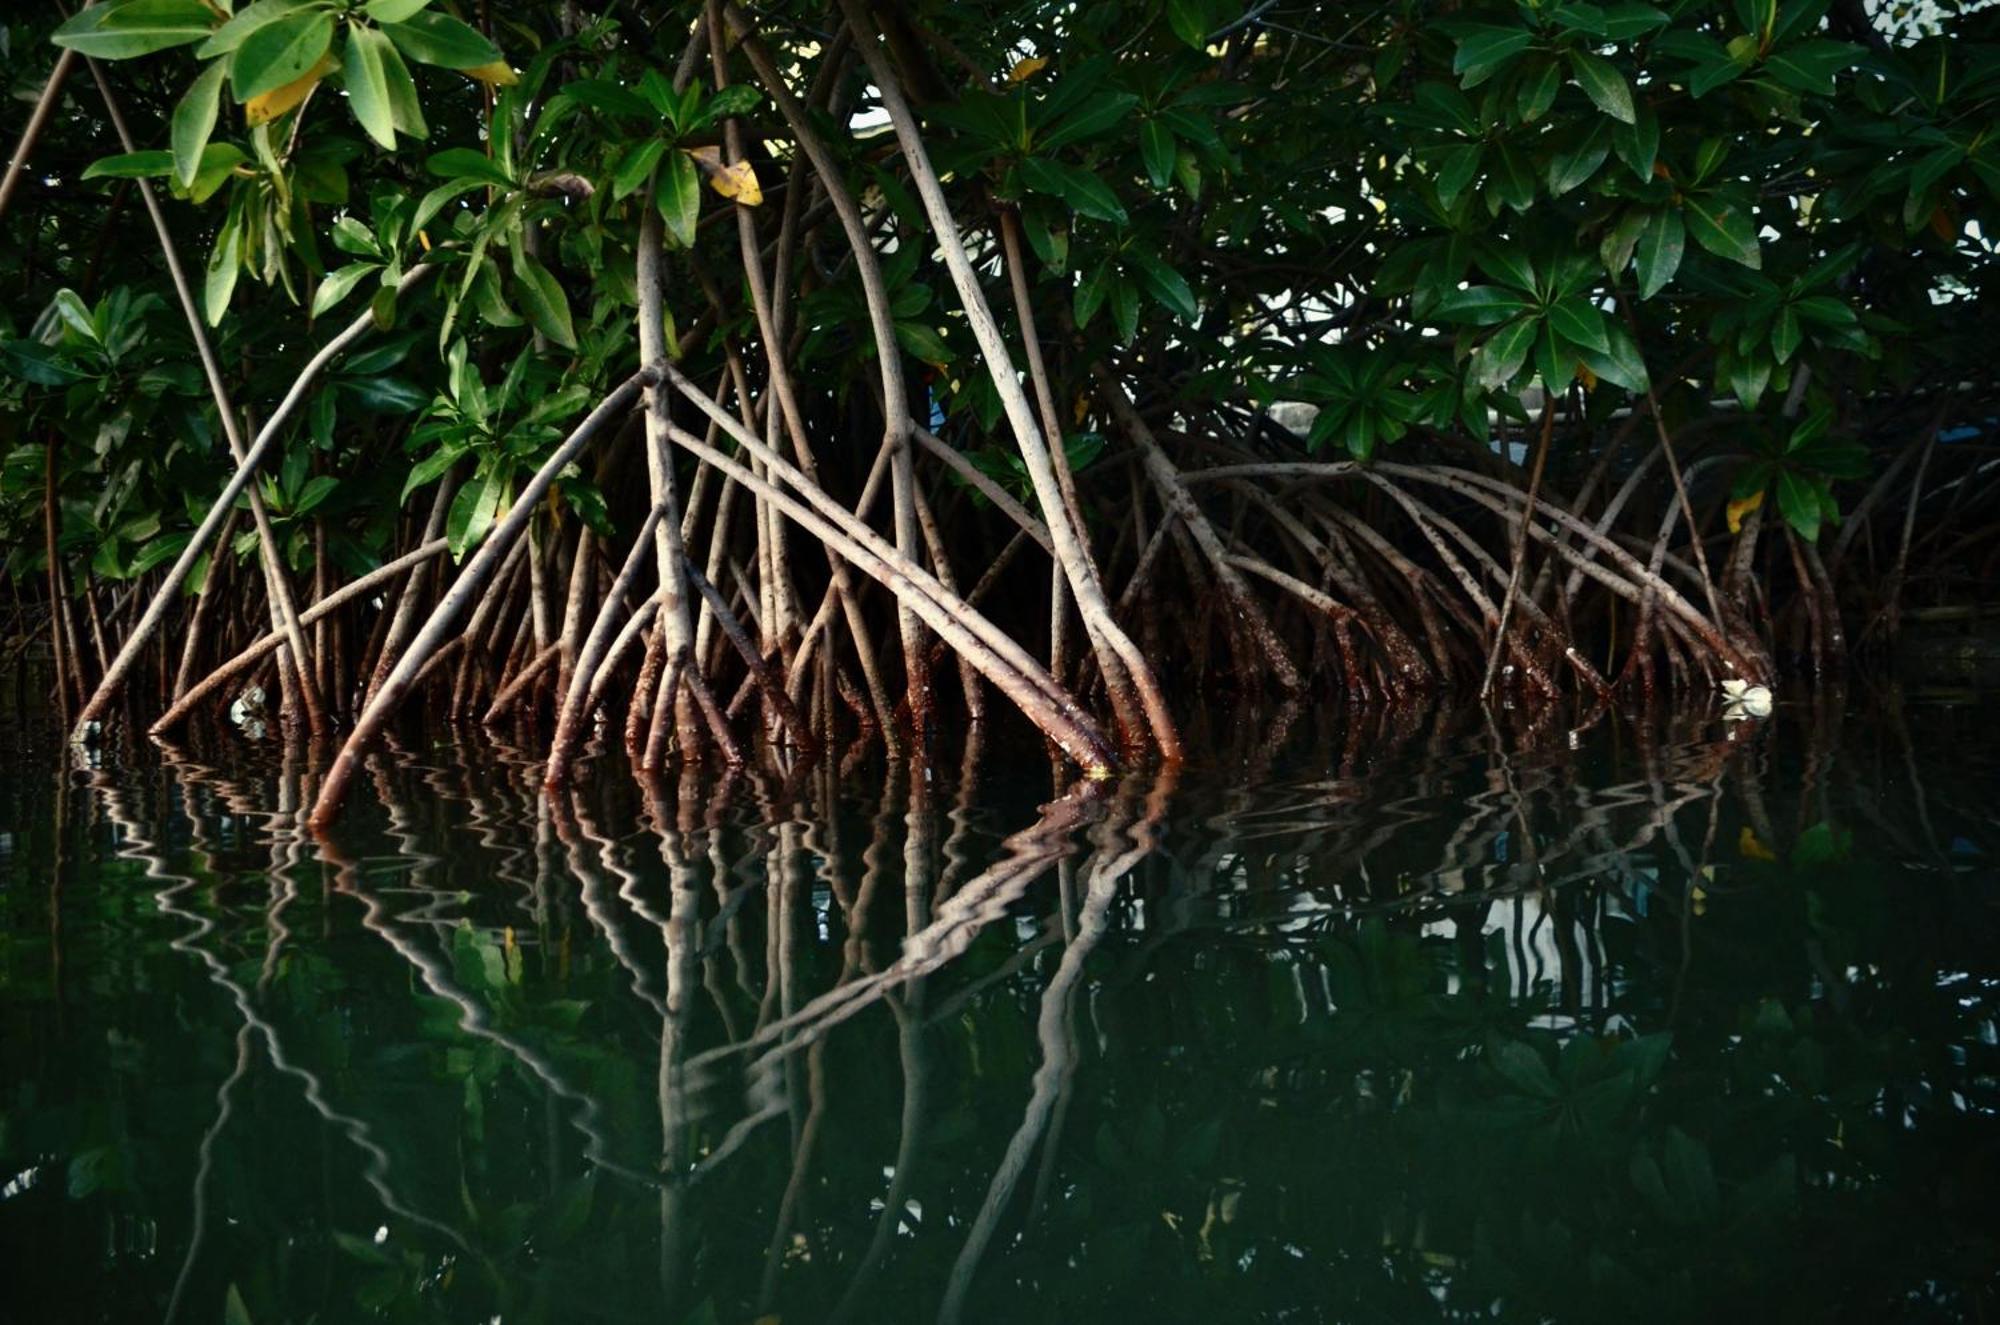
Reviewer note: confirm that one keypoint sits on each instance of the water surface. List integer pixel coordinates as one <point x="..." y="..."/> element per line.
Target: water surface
<point x="1406" y="1016"/>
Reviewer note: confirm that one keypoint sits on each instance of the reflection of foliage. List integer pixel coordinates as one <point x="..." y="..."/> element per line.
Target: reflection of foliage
<point x="1276" y="1111"/>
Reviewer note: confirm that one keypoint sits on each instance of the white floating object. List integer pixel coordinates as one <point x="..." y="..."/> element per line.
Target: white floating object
<point x="1742" y="700"/>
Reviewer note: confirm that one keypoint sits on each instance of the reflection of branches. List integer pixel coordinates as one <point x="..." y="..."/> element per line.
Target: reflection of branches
<point x="1052" y="1026"/>
<point x="958" y="920"/>
<point x="473" y="1018"/>
<point x="138" y="847"/>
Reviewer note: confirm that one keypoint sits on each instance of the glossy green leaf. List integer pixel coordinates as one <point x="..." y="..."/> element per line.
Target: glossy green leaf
<point x="1604" y="85"/>
<point x="367" y="80"/>
<point x="468" y="163"/>
<point x="338" y="285"/>
<point x="135" y="27"/>
<point x="678" y="196"/>
<point x="1724" y="227"/>
<point x="1158" y="150"/>
<point x="245" y="21"/>
<point x="1799" y="504"/>
<point x="543" y="301"/>
<point x="279" y="52"/>
<point x="439" y="39"/>
<point x="1658" y="256"/>
<point x="194" y="120"/>
<point x="131" y="165"/>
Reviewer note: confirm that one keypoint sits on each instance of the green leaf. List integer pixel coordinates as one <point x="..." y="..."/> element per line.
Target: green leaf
<point x="1723" y="226"/>
<point x="439" y="39"/>
<point x="394" y="11"/>
<point x="131" y="165"/>
<point x="678" y="196"/>
<point x="1603" y="85"/>
<point x="37" y="363"/>
<point x="1158" y="149"/>
<point x="404" y="105"/>
<point x="1572" y="169"/>
<point x="194" y="121"/>
<point x="385" y="395"/>
<point x="1509" y="265"/>
<point x="1092" y="291"/>
<point x="1484" y="48"/>
<point x="244" y="22"/>
<point x="1456" y="168"/>
<point x="1555" y="358"/>
<point x="136" y="27"/>
<point x="428" y="470"/>
<point x="1537" y="90"/>
<point x="1638" y="143"/>
<point x="69" y="307"/>
<point x="1785" y="334"/>
<point x="468" y="163"/>
<point x="316" y="491"/>
<point x="1189" y="21"/>
<point x="1747" y="377"/>
<point x="473" y="511"/>
<point x="543" y="301"/>
<point x="1511" y="180"/>
<point x="637" y="167"/>
<point x="279" y="53"/>
<point x="1125" y="309"/>
<point x="1084" y="192"/>
<point x="434" y="201"/>
<point x="158" y="552"/>
<point x="1480" y="305"/>
<point x="1581" y="323"/>
<point x="1799" y="503"/>
<point x="362" y="69"/>
<point x="218" y="162"/>
<point x="1658" y="256"/>
<point x="1809" y="66"/>
<point x="923" y="342"/>
<point x="1098" y="114"/>
<point x="224" y="265"/>
<point x="338" y="285"/>
<point x="1168" y="286"/>
<point x="1621" y="364"/>
<point x="1522" y="1068"/>
<point x="1495" y="363"/>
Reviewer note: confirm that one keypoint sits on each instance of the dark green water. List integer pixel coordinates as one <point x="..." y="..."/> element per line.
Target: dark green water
<point x="1401" y="1018"/>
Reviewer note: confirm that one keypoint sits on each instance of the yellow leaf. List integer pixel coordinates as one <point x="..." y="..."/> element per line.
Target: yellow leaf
<point x="1748" y="847"/>
<point x="1589" y="378"/>
<point x="1028" y="68"/>
<point x="1741" y="507"/>
<point x="268" y="107"/>
<point x="497" y="74"/>
<point x="737" y="182"/>
<point x="1082" y="406"/>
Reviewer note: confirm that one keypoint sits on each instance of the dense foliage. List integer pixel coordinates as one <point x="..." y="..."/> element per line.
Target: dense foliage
<point x="1748" y="238"/>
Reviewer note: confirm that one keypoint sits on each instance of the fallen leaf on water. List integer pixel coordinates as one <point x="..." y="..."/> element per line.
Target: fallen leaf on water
<point x="1750" y="848"/>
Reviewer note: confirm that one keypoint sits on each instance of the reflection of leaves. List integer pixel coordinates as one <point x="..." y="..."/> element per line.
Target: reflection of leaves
<point x="1679" y="1181"/>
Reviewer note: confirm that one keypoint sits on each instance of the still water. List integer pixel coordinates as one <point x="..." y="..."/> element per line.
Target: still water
<point x="1407" y="1016"/>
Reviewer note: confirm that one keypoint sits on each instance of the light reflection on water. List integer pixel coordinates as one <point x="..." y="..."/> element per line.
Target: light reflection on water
<point x="1409" y="1015"/>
